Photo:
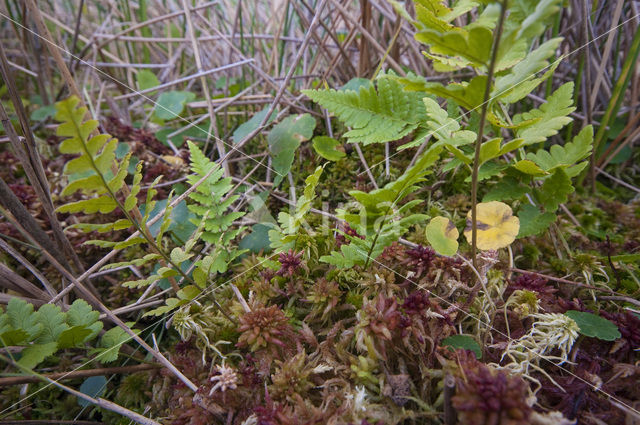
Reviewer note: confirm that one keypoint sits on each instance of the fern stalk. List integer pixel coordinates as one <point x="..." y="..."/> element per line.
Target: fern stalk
<point x="483" y="116"/>
<point x="135" y="221"/>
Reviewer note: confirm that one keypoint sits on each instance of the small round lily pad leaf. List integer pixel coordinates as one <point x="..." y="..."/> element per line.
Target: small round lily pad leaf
<point x="594" y="326"/>
<point x="443" y="236"/>
<point x="465" y="342"/>
<point x="496" y="224"/>
<point x="328" y="148"/>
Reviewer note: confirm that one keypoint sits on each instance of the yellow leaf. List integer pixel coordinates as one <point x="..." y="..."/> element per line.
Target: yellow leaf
<point x="173" y="160"/>
<point x="496" y="224"/>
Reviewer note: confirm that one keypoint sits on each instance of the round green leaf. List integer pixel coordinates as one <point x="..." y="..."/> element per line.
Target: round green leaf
<point x="328" y="148"/>
<point x="171" y="104"/>
<point x="146" y="79"/>
<point x="443" y="236"/>
<point x="93" y="386"/>
<point x="464" y="342"/>
<point x="594" y="326"/>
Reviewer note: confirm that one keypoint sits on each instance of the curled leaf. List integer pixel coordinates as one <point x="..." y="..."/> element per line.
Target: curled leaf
<point x="496" y="224"/>
<point x="443" y="236"/>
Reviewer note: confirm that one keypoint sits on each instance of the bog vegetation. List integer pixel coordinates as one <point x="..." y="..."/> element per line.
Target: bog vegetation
<point x="320" y="212"/>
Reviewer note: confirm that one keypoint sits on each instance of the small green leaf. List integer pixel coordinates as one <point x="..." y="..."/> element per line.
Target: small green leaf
<point x="555" y="190"/>
<point x="171" y="104"/>
<point x="328" y="148"/>
<point x="178" y="255"/>
<point x="94" y="386"/>
<point x="257" y="240"/>
<point x="13" y="337"/>
<point x="43" y="112"/>
<point x="73" y="337"/>
<point x="110" y="344"/>
<point x="247" y="127"/>
<point x="21" y="316"/>
<point x="284" y="138"/>
<point x="533" y="221"/>
<point x="529" y="167"/>
<point x="594" y="326"/>
<point x="464" y="342"/>
<point x="355" y="84"/>
<point x="506" y="189"/>
<point x="53" y="323"/>
<point x="35" y="354"/>
<point x="443" y="236"/>
<point x="490" y="149"/>
<point x="146" y="79"/>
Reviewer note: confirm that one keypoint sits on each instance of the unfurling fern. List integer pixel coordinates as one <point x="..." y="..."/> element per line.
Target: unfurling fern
<point x="375" y="116"/>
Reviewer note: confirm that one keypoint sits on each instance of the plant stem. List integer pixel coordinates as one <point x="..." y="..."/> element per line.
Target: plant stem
<point x="483" y="115"/>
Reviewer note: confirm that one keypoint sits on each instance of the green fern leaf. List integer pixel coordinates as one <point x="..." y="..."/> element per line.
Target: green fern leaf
<point x="567" y="156"/>
<point x="74" y="336"/>
<point x="81" y="314"/>
<point x="35" y="354"/>
<point x="103" y="227"/>
<point x="538" y="125"/>
<point x="555" y="190"/>
<point x="211" y="199"/>
<point x="282" y="238"/>
<point x="375" y="116"/>
<point x="21" y="316"/>
<point x="53" y="322"/>
<point x="518" y="83"/>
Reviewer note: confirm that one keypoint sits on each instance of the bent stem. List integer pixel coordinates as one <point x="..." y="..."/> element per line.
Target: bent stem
<point x="483" y="116"/>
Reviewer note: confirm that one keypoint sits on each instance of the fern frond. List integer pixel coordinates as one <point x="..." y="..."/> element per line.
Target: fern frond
<point x="515" y="85"/>
<point x="375" y="116"/>
<point x="445" y="130"/>
<point x="211" y="200"/>
<point x="567" y="157"/>
<point x="102" y="176"/>
<point x="381" y="216"/>
<point x="284" y="236"/>
<point x="539" y="124"/>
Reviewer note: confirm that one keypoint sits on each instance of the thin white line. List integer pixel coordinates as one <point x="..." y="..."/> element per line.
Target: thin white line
<point x="560" y="59"/>
<point x="233" y="148"/>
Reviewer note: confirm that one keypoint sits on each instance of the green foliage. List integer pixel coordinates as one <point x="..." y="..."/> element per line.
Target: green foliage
<point x="284" y="139"/>
<point x="446" y="130"/>
<point x="43" y="332"/>
<point x="171" y="104"/>
<point x="380" y="216"/>
<point x="375" y="116"/>
<point x="93" y="386"/>
<point x="594" y="326"/>
<point x="566" y="157"/>
<point x="533" y="221"/>
<point x="328" y="148"/>
<point x="291" y="225"/>
<point x="96" y="163"/>
<point x="110" y="343"/>
<point x="146" y="79"/>
<point x="465" y="342"/>
<point x="537" y="125"/>
<point x="247" y="127"/>
<point x="555" y="189"/>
